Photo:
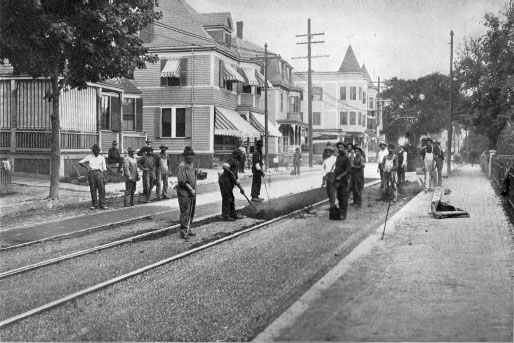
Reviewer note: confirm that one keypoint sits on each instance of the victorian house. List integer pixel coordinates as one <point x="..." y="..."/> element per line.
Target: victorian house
<point x="343" y="106"/>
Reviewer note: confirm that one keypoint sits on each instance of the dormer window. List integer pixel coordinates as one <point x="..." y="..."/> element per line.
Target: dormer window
<point x="174" y="72"/>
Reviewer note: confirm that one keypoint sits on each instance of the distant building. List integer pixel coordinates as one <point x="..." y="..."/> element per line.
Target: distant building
<point x="344" y="106"/>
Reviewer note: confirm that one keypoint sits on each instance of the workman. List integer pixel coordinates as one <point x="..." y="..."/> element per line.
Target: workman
<point x="342" y="174"/>
<point x="227" y="180"/>
<point x="142" y="151"/>
<point x="147" y="165"/>
<point x="439" y="162"/>
<point x="162" y="173"/>
<point x="357" y="179"/>
<point x="114" y="156"/>
<point x="131" y="176"/>
<point x="297" y="161"/>
<point x="327" y="173"/>
<point x="390" y="163"/>
<point x="186" y="192"/>
<point x="380" y="157"/>
<point x="402" y="164"/>
<point x="95" y="164"/>
<point x="257" y="171"/>
<point x="428" y="162"/>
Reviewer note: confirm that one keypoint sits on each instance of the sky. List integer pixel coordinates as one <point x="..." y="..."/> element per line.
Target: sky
<point x="393" y="38"/>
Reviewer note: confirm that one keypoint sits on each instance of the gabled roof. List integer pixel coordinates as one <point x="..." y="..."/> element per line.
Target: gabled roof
<point x="185" y="26"/>
<point x="350" y="63"/>
<point x="220" y="19"/>
<point x="124" y="84"/>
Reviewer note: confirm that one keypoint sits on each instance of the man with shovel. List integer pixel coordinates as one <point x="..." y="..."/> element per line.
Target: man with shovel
<point x="95" y="164"/>
<point x="227" y="181"/>
<point x="186" y="192"/>
<point x="257" y="171"/>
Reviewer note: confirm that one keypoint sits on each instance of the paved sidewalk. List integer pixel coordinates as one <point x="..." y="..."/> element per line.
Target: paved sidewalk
<point x="428" y="280"/>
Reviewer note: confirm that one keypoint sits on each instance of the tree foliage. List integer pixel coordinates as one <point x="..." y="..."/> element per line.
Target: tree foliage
<point x="73" y="42"/>
<point x="485" y="71"/>
<point x="424" y="103"/>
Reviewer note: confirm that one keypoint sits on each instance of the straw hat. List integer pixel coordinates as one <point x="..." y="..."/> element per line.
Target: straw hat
<point x="188" y="151"/>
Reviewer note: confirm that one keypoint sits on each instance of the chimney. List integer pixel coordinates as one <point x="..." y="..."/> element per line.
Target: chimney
<point x="239" y="26"/>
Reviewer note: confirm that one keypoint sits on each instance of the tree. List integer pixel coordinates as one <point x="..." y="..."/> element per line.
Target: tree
<point x="485" y="70"/>
<point x="423" y="103"/>
<point x="72" y="42"/>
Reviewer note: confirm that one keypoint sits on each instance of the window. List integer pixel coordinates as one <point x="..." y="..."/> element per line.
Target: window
<point x="364" y="98"/>
<point x="353" y="93"/>
<point x="129" y="114"/>
<point x="247" y="89"/>
<point x="371" y="102"/>
<point x="317" y="93"/>
<point x="370" y="125"/>
<point x="281" y="102"/>
<point x="342" y="93"/>
<point x="364" y="120"/>
<point x="343" y="118"/>
<point x="180" y="122"/>
<point x="360" y="93"/>
<point x="176" y="80"/>
<point x="316" y="118"/>
<point x="294" y="104"/>
<point x="173" y="122"/>
<point x="106" y="112"/>
<point x="352" y="118"/>
<point x="166" y="122"/>
<point x="360" y="118"/>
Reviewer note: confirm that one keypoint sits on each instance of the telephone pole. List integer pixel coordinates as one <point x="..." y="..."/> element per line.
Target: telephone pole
<point x="450" y="129"/>
<point x="309" y="80"/>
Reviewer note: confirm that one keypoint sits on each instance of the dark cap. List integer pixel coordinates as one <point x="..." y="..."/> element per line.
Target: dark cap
<point x="358" y="148"/>
<point x="236" y="153"/>
<point x="341" y="143"/>
<point x="114" y="142"/>
<point x="436" y="142"/>
<point x="188" y="151"/>
<point x="429" y="139"/>
<point x="95" y="147"/>
<point x="258" y="143"/>
<point x="163" y="146"/>
<point x="148" y="141"/>
<point x="382" y="143"/>
<point x="131" y="149"/>
<point x="390" y="146"/>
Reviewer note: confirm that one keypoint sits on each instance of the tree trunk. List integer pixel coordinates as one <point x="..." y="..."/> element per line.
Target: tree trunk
<point x="55" y="152"/>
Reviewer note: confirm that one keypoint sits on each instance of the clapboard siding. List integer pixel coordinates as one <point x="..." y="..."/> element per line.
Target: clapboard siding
<point x="33" y="111"/>
<point x="202" y="135"/>
<point x="151" y="76"/>
<point x="177" y="96"/>
<point x="78" y="110"/>
<point x="224" y="98"/>
<point x="5" y="104"/>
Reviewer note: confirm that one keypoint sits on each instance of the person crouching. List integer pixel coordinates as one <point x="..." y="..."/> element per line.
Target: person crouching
<point x="227" y="180"/>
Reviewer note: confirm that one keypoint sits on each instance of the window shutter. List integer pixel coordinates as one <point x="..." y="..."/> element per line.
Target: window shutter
<point x="139" y="115"/>
<point x="189" y="122"/>
<point x="183" y="72"/>
<point x="163" y="79"/>
<point x="157" y="123"/>
<point x="115" y="113"/>
<point x="221" y="74"/>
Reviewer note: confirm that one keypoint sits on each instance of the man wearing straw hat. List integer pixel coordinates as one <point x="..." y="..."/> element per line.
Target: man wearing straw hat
<point x="95" y="164"/>
<point x="131" y="177"/>
<point x="380" y="158"/>
<point x="186" y="192"/>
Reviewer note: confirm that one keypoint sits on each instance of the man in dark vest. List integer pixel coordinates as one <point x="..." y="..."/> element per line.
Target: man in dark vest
<point x="227" y="181"/>
<point x="342" y="172"/>
<point x="257" y="171"/>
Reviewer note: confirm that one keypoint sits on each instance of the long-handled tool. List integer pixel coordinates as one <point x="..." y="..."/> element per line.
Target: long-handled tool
<point x="189" y="218"/>
<point x="387" y="214"/>
<point x="79" y="177"/>
<point x="266" y="188"/>
<point x="250" y="202"/>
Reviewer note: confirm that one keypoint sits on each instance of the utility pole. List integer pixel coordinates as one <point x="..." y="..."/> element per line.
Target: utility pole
<point x="379" y="119"/>
<point x="309" y="81"/>
<point x="266" y="154"/>
<point x="450" y="129"/>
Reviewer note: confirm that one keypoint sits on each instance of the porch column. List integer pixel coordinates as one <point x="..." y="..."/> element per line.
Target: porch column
<point x="14" y="114"/>
<point x="491" y="154"/>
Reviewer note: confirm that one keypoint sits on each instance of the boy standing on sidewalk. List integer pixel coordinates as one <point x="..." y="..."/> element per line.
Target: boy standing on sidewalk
<point x="186" y="192"/>
<point x="131" y="177"/>
<point x="95" y="164"/>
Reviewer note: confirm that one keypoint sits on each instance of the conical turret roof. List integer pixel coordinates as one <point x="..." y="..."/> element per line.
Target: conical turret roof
<point x="365" y="72"/>
<point x="350" y="63"/>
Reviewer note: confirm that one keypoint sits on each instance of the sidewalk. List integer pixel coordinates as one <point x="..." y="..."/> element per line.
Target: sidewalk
<point x="428" y="280"/>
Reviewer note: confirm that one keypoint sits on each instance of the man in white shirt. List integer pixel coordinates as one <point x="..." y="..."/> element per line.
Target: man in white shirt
<point x="402" y="164"/>
<point x="327" y="173"/>
<point x="95" y="164"/>
<point x="380" y="158"/>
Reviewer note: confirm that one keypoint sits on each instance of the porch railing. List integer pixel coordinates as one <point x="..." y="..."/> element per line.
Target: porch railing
<point x="500" y="169"/>
<point x="78" y="140"/>
<point x="5" y="140"/>
<point x="33" y="140"/>
<point x="41" y="140"/>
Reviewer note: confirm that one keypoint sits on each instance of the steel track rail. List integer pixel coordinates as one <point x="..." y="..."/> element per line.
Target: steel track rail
<point x="144" y="269"/>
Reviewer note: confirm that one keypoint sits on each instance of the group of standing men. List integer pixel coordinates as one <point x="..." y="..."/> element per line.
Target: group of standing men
<point x="342" y="172"/>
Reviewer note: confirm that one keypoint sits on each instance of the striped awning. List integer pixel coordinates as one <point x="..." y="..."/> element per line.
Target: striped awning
<point x="231" y="74"/>
<point x="250" y="78"/>
<point x="257" y="120"/>
<point x="230" y="123"/>
<point x="261" y="78"/>
<point x="171" y="68"/>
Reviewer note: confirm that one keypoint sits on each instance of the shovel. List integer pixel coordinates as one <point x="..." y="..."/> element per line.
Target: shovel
<point x="79" y="177"/>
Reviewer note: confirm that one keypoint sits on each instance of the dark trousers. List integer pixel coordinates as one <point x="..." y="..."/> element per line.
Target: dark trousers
<point x="401" y="174"/>
<point x="97" y="183"/>
<point x="130" y="189"/>
<point x="148" y="183"/>
<point x="242" y="164"/>
<point x="296" y="168"/>
<point x="357" y="186"/>
<point x="161" y="181"/>
<point x="331" y="190"/>
<point x="382" y="180"/>
<point x="187" y="205"/>
<point x="256" y="184"/>
<point x="228" y="207"/>
<point x="342" y="197"/>
<point x="439" y="171"/>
